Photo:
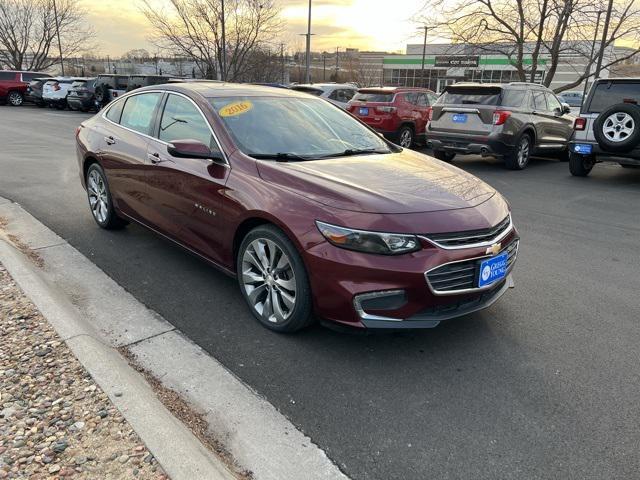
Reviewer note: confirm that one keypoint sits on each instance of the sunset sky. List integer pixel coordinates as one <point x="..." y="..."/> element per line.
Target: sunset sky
<point x="365" y="24"/>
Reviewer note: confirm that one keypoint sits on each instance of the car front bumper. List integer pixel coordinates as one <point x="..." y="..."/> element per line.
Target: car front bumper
<point x="393" y="292"/>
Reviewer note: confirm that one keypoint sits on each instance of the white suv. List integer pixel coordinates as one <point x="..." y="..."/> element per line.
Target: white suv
<point x="608" y="127"/>
<point x="337" y="93"/>
<point x="55" y="91"/>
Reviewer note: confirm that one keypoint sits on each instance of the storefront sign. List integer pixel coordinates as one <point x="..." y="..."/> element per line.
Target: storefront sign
<point x="457" y="60"/>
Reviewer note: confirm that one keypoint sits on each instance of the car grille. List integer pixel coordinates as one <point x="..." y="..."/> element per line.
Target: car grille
<point x="453" y="277"/>
<point x="471" y="237"/>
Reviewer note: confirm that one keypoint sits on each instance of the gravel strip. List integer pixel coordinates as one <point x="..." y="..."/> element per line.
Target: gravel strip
<point x="55" y="422"/>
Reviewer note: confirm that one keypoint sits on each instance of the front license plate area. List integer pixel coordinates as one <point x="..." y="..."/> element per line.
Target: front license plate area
<point x="492" y="270"/>
<point x="459" y="118"/>
<point x="583" y="148"/>
<point x="364" y="111"/>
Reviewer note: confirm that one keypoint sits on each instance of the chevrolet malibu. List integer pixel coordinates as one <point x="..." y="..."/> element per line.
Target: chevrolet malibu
<point x="313" y="212"/>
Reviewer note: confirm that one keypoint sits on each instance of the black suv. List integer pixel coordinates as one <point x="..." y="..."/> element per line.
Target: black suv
<point x="608" y="127"/>
<point x="511" y="121"/>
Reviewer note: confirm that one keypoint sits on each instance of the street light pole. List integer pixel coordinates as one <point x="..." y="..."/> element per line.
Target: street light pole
<point x="308" y="57"/>
<point x="424" y="53"/>
<point x="55" y="13"/>
<point x="593" y="48"/>
<point x="223" y="73"/>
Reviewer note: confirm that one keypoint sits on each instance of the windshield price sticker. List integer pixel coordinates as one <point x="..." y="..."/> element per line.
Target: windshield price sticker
<point x="235" y="108"/>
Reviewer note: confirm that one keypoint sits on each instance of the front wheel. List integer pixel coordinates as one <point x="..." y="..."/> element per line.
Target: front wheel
<point x="518" y="157"/>
<point x="273" y="280"/>
<point x="405" y="136"/>
<point x="444" y="155"/>
<point x="15" y="99"/>
<point x="100" y="200"/>
<point x="580" y="165"/>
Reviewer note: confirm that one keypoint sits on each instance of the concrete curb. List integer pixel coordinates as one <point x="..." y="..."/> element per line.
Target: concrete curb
<point x="174" y="446"/>
<point x="97" y="313"/>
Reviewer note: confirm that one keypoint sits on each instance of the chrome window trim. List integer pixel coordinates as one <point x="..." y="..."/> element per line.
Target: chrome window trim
<point x="474" y="289"/>
<point x="168" y="92"/>
<point x="486" y="243"/>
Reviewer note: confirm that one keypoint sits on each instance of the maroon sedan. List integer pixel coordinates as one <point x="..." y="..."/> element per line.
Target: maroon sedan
<point x="311" y="210"/>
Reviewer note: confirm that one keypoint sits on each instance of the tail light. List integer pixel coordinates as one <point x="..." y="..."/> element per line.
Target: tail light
<point x="500" y="116"/>
<point x="429" y="114"/>
<point x="78" y="128"/>
<point x="56" y="87"/>
<point x="580" y="123"/>
<point x="386" y="109"/>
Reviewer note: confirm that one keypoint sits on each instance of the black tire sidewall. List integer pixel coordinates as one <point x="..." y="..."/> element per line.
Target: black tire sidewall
<point x="511" y="159"/>
<point x="626" y="145"/>
<point x="577" y="165"/>
<point x="112" y="221"/>
<point x="410" y="130"/>
<point x="444" y="155"/>
<point x="301" y="316"/>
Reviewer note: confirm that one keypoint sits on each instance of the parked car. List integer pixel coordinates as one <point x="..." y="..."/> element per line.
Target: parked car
<point x="399" y="113"/>
<point x="337" y="93"/>
<point x="81" y="95"/>
<point x="608" y="127"/>
<point x="139" y="81"/>
<point x="310" y="209"/>
<point x="109" y="86"/>
<point x="510" y="121"/>
<point x="55" y="91"/>
<point x="14" y="83"/>
<point x="573" y="99"/>
<point x="34" y="91"/>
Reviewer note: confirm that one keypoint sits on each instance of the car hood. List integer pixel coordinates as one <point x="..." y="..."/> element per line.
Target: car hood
<point x="403" y="182"/>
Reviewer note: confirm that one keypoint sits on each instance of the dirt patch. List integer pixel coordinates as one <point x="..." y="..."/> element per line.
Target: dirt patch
<point x="19" y="244"/>
<point x="188" y="415"/>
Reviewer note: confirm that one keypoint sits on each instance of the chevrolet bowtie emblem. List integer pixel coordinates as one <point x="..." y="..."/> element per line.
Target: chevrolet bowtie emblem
<point x="494" y="249"/>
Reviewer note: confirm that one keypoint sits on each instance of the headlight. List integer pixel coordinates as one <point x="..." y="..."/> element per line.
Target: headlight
<point x="369" y="242"/>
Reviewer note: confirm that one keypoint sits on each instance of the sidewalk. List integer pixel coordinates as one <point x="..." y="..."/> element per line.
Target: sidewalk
<point x="55" y="422"/>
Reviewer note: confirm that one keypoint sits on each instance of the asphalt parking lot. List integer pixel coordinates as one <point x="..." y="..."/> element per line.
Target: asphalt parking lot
<point x="544" y="384"/>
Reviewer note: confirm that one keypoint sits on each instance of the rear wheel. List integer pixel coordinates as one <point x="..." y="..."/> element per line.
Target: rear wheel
<point x="518" y="157"/>
<point x="580" y="165"/>
<point x="15" y="98"/>
<point x="444" y="155"/>
<point x="405" y="136"/>
<point x="100" y="200"/>
<point x="273" y="280"/>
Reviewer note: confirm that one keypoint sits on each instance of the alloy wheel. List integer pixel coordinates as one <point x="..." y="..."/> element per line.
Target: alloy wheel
<point x="98" y="200"/>
<point x="406" y="138"/>
<point x="15" y="99"/>
<point x="269" y="280"/>
<point x="618" y="126"/>
<point x="523" y="151"/>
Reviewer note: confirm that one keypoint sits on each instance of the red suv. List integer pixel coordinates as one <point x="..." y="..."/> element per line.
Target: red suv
<point x="399" y="113"/>
<point x="14" y="83"/>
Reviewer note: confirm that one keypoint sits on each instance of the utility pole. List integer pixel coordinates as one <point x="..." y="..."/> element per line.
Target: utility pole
<point x="308" y="57"/>
<point x="109" y="64"/>
<point x="603" y="43"/>
<point x="55" y="13"/>
<point x="593" y="48"/>
<point x="424" y="54"/>
<point x="282" y="60"/>
<point x="324" y="67"/>
<point x="223" y="73"/>
<point x="337" y="62"/>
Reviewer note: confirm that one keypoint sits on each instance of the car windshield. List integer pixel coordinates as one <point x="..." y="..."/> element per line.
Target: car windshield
<point x="285" y="128"/>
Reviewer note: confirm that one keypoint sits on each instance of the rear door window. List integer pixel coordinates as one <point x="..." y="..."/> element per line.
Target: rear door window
<point x="423" y="101"/>
<point x="138" y="111"/>
<point x="374" y="97"/>
<point x="607" y="94"/>
<point x="470" y="96"/>
<point x="513" y="98"/>
<point x="115" y="111"/>
<point x="538" y="101"/>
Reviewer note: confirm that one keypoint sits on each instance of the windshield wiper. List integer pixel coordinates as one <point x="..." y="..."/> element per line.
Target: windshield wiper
<point x="356" y="151"/>
<point x="279" y="157"/>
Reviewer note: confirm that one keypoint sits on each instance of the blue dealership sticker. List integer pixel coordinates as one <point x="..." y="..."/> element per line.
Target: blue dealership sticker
<point x="493" y="269"/>
<point x="459" y="118"/>
<point x="583" y="148"/>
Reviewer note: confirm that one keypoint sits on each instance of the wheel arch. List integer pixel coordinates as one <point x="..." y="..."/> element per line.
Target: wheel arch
<point x="86" y="163"/>
<point x="531" y="131"/>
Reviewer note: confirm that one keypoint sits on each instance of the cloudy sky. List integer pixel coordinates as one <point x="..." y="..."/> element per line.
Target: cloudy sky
<point x="365" y="24"/>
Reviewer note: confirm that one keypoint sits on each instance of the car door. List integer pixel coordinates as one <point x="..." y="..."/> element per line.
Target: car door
<point x="562" y="127"/>
<point x="423" y="107"/>
<point x="186" y="193"/>
<point x="123" y="151"/>
<point x="543" y="120"/>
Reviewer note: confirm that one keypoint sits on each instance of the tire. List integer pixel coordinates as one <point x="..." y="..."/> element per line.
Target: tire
<point x="102" y="95"/>
<point x="518" y="157"/>
<point x="15" y="99"/>
<point x="617" y="129"/>
<point x="580" y="165"/>
<point x="406" y="136"/>
<point x="60" y="106"/>
<point x="444" y="155"/>
<point x="100" y="200"/>
<point x="284" y="278"/>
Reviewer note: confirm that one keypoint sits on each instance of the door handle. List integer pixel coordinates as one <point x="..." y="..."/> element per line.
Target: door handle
<point x="110" y="140"/>
<point x="154" y="158"/>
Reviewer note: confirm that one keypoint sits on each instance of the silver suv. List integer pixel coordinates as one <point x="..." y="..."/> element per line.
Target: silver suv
<point x="608" y="127"/>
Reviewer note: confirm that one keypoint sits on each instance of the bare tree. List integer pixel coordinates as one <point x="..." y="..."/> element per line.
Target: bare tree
<point x="531" y="33"/>
<point x="193" y="29"/>
<point x="28" y="32"/>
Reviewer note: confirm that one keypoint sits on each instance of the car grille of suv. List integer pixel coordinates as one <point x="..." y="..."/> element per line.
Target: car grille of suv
<point x="453" y="277"/>
<point x="471" y="237"/>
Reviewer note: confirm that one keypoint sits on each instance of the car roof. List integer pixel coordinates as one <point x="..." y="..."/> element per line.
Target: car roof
<point x="392" y="89"/>
<point x="619" y="79"/>
<point x="214" y="89"/>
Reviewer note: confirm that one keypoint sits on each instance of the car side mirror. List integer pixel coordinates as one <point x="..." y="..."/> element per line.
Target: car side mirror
<point x="189" y="148"/>
<point x="566" y="108"/>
